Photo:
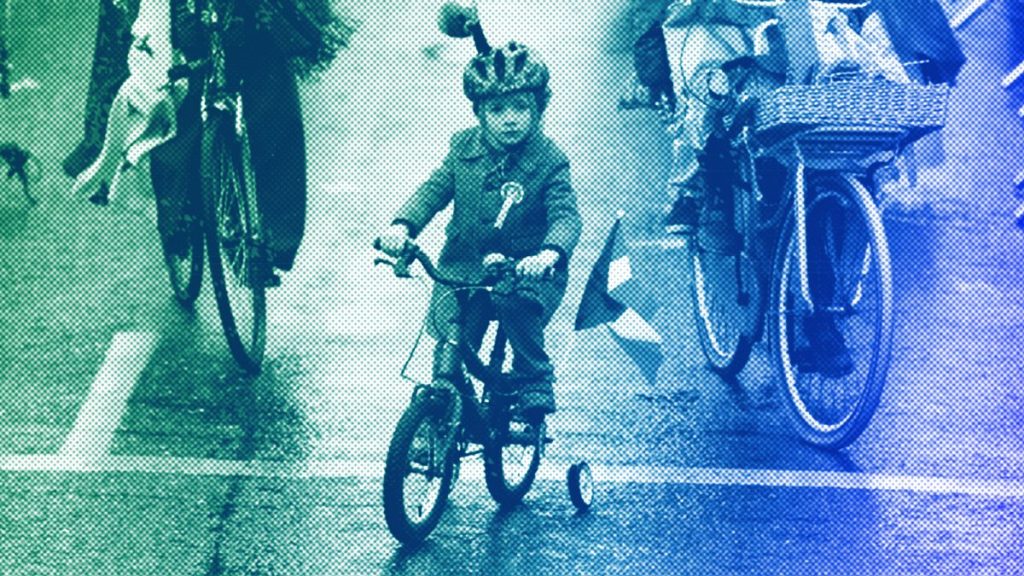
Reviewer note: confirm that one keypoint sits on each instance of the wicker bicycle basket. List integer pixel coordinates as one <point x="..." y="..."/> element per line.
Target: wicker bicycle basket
<point x="916" y="108"/>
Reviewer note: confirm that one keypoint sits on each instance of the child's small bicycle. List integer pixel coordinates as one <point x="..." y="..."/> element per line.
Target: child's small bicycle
<point x="447" y="416"/>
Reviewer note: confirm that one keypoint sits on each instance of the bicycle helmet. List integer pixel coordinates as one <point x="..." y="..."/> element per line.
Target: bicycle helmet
<point x="510" y="68"/>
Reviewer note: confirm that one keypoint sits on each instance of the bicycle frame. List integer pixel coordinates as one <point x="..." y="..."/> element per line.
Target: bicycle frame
<point x="221" y="96"/>
<point x="819" y="149"/>
<point x="473" y="408"/>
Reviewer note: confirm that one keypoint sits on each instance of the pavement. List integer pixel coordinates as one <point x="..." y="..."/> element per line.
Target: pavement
<point x="130" y="443"/>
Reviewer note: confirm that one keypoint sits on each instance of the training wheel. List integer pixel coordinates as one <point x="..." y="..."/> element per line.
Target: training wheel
<point x="581" y="486"/>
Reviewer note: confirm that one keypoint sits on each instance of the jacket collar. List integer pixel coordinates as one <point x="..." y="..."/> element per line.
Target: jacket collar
<point x="526" y="157"/>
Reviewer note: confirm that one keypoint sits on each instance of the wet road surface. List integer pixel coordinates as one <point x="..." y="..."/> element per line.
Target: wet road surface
<point x="131" y="444"/>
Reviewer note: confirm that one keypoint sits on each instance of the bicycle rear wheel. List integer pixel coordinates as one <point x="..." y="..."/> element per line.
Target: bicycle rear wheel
<point x="419" y="469"/>
<point x="512" y="456"/>
<point x="727" y="308"/>
<point x="234" y="239"/>
<point x="185" y="266"/>
<point x="183" y="251"/>
<point x="850" y="282"/>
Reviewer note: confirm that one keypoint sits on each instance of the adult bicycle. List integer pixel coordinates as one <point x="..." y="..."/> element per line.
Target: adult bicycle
<point x="797" y="170"/>
<point x="226" y="215"/>
<point x="448" y="420"/>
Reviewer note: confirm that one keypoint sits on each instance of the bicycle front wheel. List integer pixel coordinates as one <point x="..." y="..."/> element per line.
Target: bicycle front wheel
<point x="833" y="357"/>
<point x="512" y="457"/>
<point x="419" y="469"/>
<point x="234" y="239"/>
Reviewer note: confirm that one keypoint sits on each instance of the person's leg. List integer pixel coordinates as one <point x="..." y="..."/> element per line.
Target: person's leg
<point x="109" y="71"/>
<point x="278" y="146"/>
<point x="832" y="245"/>
<point x="445" y="316"/>
<point x="523" y="321"/>
<point x="176" y="176"/>
<point x="700" y="49"/>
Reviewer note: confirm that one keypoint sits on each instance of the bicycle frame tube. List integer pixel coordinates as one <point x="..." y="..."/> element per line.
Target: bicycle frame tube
<point x="800" y="206"/>
<point x="219" y="97"/>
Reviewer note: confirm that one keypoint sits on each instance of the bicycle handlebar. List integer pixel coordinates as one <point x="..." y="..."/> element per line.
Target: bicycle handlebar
<point x="411" y="252"/>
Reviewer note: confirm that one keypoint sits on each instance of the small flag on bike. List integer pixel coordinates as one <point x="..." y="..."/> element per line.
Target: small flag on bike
<point x="614" y="298"/>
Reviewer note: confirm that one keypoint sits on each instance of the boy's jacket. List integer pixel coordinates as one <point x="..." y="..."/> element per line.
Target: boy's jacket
<point x="471" y="178"/>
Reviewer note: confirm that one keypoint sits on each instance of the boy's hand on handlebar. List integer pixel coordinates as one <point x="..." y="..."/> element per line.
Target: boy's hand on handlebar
<point x="494" y="259"/>
<point x="394" y="240"/>
<point x="538" y="266"/>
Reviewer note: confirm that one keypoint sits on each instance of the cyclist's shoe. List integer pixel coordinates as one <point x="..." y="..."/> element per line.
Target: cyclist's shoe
<point x="635" y="95"/>
<point x="263" y="272"/>
<point x="537" y="399"/>
<point x="101" y="197"/>
<point x="272" y="280"/>
<point x="683" y="217"/>
<point x="827" y="353"/>
<point x="717" y="234"/>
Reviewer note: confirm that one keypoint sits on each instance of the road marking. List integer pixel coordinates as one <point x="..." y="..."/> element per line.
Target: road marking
<point x="554" y="471"/>
<point x="101" y="413"/>
<point x="1013" y="75"/>
<point x="964" y="15"/>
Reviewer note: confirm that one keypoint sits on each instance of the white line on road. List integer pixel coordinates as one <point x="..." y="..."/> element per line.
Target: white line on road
<point x="607" y="474"/>
<point x="101" y="413"/>
<point x="1014" y="74"/>
<point x="964" y="15"/>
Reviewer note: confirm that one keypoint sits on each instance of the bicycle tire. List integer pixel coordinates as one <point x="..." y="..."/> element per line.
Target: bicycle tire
<point x="861" y="306"/>
<point x="512" y="456"/>
<point x="423" y="419"/>
<point x="184" y="270"/>
<point x="233" y="234"/>
<point x="727" y="318"/>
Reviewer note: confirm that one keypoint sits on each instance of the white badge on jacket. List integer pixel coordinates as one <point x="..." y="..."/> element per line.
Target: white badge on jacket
<point x="513" y="193"/>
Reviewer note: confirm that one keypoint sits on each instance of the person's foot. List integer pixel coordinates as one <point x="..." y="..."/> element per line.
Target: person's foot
<point x="827" y="353"/>
<point x="635" y="95"/>
<point x="717" y="233"/>
<point x="264" y="273"/>
<point x="537" y="399"/>
<point x="101" y="197"/>
<point x="682" y="219"/>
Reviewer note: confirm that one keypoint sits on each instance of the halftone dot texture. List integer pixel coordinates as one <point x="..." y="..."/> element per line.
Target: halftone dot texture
<point x="76" y="278"/>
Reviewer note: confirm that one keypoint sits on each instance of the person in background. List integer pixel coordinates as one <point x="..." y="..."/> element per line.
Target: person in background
<point x="269" y="44"/>
<point x="109" y="71"/>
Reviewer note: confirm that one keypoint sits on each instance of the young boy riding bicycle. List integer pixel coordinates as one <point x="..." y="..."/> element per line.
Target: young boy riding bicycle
<point x="512" y="197"/>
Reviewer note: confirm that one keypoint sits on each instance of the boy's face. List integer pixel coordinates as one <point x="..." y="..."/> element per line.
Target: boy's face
<point x="507" y="120"/>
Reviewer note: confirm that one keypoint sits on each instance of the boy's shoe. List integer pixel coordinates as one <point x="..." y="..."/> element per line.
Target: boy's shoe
<point x="537" y="399"/>
<point x="717" y="234"/>
<point x="684" y="216"/>
<point x="827" y="353"/>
